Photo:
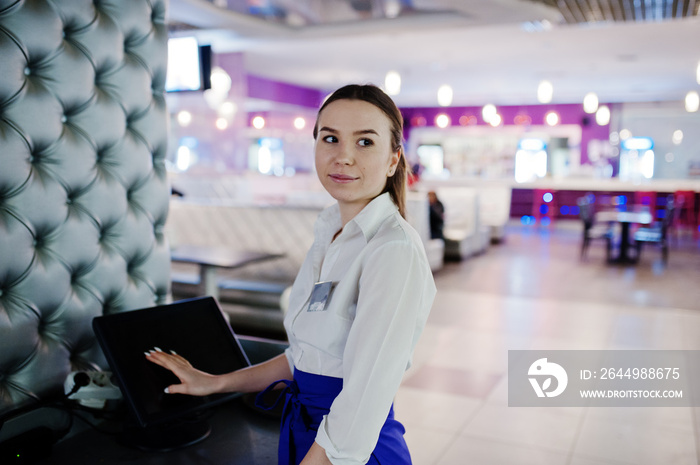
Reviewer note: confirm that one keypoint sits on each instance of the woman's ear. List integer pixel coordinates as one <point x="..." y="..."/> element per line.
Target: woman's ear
<point x="394" y="162"/>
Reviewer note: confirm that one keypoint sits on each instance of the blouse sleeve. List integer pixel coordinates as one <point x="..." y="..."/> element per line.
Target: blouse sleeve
<point x="396" y="291"/>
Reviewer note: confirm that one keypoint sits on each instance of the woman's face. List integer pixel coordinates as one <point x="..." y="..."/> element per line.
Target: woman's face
<point x="353" y="153"/>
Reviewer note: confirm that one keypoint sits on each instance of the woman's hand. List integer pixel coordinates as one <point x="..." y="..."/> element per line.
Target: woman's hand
<point x="192" y="381"/>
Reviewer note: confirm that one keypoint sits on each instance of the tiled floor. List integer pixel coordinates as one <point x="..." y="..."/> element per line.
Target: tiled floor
<point x="533" y="292"/>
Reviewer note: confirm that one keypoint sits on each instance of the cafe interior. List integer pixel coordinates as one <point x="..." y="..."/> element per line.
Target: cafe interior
<point x="154" y="151"/>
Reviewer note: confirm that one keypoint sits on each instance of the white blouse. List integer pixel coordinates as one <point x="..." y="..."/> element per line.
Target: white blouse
<point x="383" y="292"/>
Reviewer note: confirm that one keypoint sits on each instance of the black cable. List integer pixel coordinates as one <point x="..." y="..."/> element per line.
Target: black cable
<point x="79" y="380"/>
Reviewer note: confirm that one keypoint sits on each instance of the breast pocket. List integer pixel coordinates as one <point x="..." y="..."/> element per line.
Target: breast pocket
<point x="327" y="331"/>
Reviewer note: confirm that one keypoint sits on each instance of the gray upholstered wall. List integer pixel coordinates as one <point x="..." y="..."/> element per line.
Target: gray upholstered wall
<point x="83" y="188"/>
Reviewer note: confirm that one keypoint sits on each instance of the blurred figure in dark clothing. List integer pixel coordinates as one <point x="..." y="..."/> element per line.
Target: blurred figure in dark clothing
<point x="437" y="216"/>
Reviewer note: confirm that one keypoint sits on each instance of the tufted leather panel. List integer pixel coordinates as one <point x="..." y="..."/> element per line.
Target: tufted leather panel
<point x="83" y="188"/>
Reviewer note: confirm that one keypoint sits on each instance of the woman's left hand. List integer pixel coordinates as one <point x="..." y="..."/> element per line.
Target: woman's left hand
<point x="192" y="381"/>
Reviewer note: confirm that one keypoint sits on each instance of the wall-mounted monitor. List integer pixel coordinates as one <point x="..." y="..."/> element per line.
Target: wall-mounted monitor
<point x="189" y="65"/>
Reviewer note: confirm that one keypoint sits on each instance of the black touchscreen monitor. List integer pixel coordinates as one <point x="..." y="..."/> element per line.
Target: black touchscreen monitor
<point x="194" y="328"/>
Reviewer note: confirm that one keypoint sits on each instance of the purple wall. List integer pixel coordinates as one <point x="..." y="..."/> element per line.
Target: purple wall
<point x="266" y="89"/>
<point x="522" y="114"/>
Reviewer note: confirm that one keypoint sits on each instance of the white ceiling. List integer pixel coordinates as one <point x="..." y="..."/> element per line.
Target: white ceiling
<point x="488" y="50"/>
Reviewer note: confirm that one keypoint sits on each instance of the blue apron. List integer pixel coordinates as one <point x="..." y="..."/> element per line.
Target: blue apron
<point x="306" y="400"/>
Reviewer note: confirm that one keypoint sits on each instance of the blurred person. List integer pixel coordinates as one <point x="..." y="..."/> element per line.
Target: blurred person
<point x="437" y="216"/>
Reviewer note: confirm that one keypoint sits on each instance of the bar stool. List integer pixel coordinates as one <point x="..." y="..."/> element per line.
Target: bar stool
<point x="544" y="206"/>
<point x="685" y="216"/>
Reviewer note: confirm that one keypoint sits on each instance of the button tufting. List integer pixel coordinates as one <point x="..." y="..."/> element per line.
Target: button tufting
<point x="68" y="123"/>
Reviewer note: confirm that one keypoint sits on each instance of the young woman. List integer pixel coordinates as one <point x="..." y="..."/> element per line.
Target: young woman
<point x="357" y="306"/>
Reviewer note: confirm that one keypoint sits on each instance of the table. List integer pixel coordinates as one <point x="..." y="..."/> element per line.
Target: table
<point x="239" y="436"/>
<point x="637" y="216"/>
<point x="209" y="258"/>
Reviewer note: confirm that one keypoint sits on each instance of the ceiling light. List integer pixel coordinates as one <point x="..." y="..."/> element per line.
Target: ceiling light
<point x="552" y="118"/>
<point x="487" y="112"/>
<point x="692" y="101"/>
<point x="545" y="91"/>
<point x="442" y="121"/>
<point x="677" y="137"/>
<point x="495" y="120"/>
<point x="392" y="83"/>
<point x="227" y="109"/>
<point x="258" y="122"/>
<point x="221" y="123"/>
<point x="444" y="96"/>
<point x="184" y="118"/>
<point x="602" y="116"/>
<point x="299" y="123"/>
<point x="590" y="102"/>
<point x="220" y="80"/>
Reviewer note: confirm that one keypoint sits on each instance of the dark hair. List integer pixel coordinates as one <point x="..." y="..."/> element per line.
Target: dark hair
<point x="396" y="184"/>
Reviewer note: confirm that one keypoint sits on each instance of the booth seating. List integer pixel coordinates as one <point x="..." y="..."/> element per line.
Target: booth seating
<point x="252" y="295"/>
<point x="494" y="210"/>
<point x="417" y="207"/>
<point x="464" y="234"/>
<point x="283" y="230"/>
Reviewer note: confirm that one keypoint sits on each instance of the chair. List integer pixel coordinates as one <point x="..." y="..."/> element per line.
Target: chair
<point x="592" y="231"/>
<point x="645" y="199"/>
<point x="685" y="216"/>
<point x="657" y="233"/>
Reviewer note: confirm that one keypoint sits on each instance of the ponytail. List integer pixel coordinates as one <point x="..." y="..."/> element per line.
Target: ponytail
<point x="397" y="184"/>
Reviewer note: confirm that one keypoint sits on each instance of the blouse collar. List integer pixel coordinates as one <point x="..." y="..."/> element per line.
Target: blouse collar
<point x="367" y="221"/>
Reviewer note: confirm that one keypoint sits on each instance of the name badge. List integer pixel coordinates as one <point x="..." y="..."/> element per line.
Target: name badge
<point x="319" y="296"/>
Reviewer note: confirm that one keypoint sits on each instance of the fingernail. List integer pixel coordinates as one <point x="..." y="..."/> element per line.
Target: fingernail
<point x="158" y="349"/>
<point x="167" y="390"/>
<point x="148" y="354"/>
<point x="173" y="352"/>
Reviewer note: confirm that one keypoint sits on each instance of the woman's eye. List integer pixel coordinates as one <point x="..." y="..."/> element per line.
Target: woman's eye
<point x="330" y="139"/>
<point x="365" y="142"/>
